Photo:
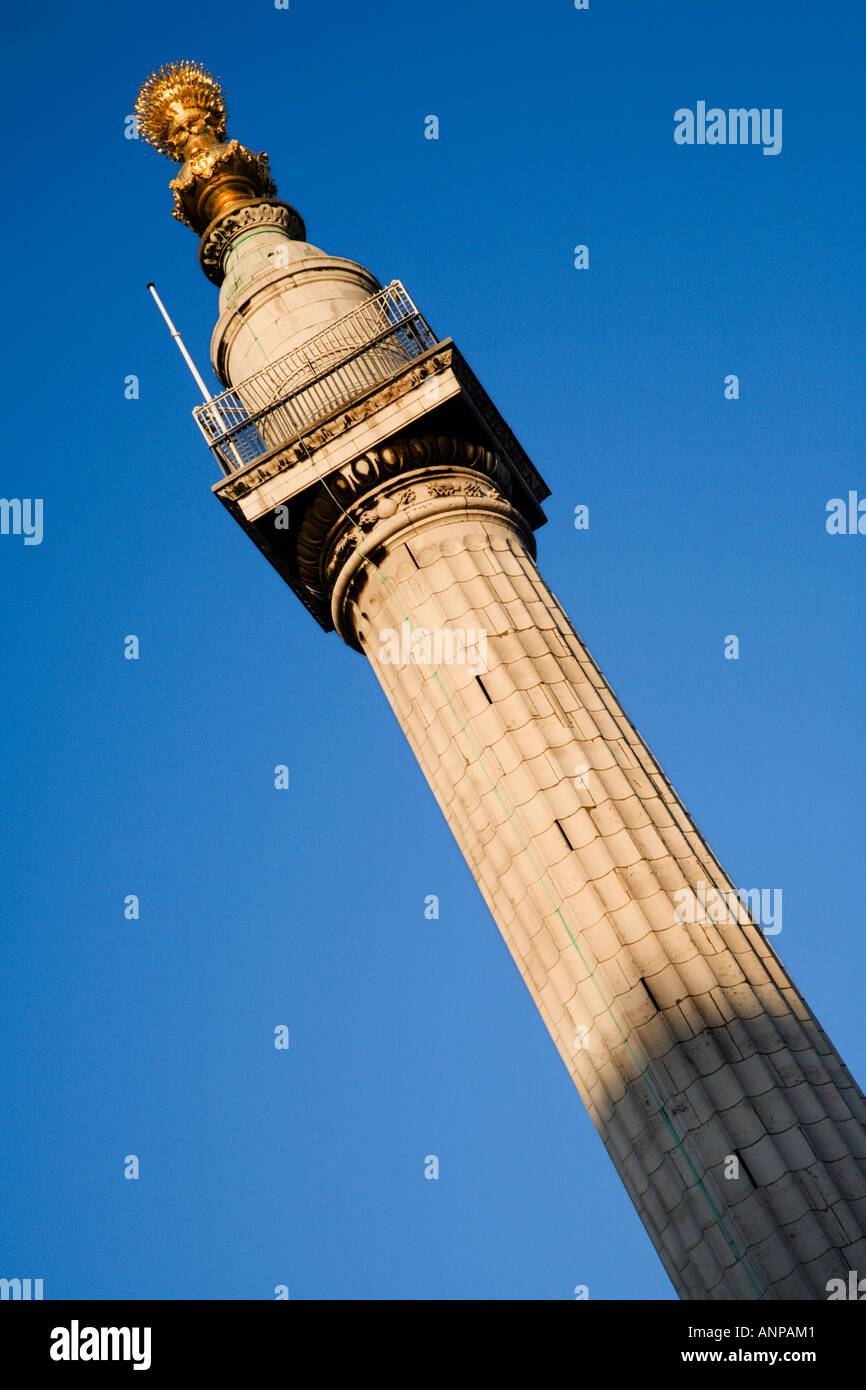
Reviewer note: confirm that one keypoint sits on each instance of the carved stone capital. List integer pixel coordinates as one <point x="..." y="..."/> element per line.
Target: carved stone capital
<point x="217" y="238"/>
<point x="385" y="489"/>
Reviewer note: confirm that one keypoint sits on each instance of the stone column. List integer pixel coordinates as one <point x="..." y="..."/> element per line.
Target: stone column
<point x="733" y="1122"/>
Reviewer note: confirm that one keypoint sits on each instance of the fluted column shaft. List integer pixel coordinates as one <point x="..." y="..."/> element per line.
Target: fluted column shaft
<point x="687" y="1040"/>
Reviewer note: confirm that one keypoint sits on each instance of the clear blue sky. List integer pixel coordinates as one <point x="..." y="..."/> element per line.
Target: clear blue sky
<point x="259" y="907"/>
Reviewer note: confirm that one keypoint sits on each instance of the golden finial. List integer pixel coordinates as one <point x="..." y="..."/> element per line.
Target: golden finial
<point x="181" y="106"/>
<point x="182" y="112"/>
<point x="221" y="186"/>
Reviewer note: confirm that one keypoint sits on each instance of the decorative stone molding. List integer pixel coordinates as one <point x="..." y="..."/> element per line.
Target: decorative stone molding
<point x="299" y="451"/>
<point x="351" y="551"/>
<point x="398" y="508"/>
<point x="217" y="238"/>
<point x="370" y="489"/>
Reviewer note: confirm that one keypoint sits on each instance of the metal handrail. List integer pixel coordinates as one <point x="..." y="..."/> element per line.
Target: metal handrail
<point x="359" y="350"/>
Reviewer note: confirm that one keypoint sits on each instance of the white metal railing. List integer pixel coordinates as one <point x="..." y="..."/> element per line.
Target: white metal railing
<point x="280" y="402"/>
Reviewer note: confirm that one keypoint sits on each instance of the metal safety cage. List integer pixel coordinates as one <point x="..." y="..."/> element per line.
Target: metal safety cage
<point x="279" y="402"/>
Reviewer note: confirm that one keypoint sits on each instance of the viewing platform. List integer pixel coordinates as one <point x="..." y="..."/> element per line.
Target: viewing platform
<point x="283" y="400"/>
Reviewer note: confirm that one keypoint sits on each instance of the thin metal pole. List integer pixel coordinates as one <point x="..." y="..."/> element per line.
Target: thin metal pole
<point x="174" y="333"/>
